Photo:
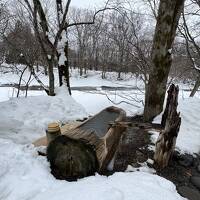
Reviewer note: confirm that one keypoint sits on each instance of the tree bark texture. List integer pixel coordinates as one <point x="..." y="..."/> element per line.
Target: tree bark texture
<point x="71" y="159"/>
<point x="51" y="78"/>
<point x="167" y="139"/>
<point x="167" y="22"/>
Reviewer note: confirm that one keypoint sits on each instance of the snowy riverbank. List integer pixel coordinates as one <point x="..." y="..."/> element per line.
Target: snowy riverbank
<point x="26" y="175"/>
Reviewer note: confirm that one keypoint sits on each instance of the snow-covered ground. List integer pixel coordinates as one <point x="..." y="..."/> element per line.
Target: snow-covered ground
<point x="10" y="74"/>
<point x="92" y="101"/>
<point x="24" y="175"/>
<point x="30" y="116"/>
<point x="93" y="78"/>
<point x="24" y="120"/>
<point x="5" y="93"/>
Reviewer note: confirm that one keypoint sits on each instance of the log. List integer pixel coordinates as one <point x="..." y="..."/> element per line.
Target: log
<point x="171" y="119"/>
<point x="71" y="159"/>
<point x="71" y="155"/>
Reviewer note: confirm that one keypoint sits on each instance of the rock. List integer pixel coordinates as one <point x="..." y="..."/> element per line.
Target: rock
<point x="189" y="193"/>
<point x="186" y="160"/>
<point x="195" y="180"/>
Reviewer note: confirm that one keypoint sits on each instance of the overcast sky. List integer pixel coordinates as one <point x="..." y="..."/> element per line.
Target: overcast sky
<point x="87" y="3"/>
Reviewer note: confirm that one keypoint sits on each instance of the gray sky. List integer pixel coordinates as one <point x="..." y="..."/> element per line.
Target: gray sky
<point x="87" y="3"/>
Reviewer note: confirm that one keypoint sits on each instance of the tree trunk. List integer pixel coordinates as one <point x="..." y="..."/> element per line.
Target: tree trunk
<point x="66" y="72"/>
<point x="44" y="40"/>
<point x="167" y="107"/>
<point x="167" y="139"/>
<point x="85" y="67"/>
<point x="20" y="80"/>
<point x="80" y="61"/>
<point x="96" y="61"/>
<point x="37" y="68"/>
<point x="63" y="64"/>
<point x="81" y="70"/>
<point x="39" y="81"/>
<point x="27" y="84"/>
<point x="167" y="22"/>
<point x="196" y="86"/>
<point x="51" y="78"/>
<point x="119" y="75"/>
<point x="45" y="70"/>
<point x="103" y="73"/>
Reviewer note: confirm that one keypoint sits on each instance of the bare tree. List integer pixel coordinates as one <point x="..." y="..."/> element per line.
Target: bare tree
<point x="83" y="34"/>
<point x="4" y="23"/>
<point x="56" y="51"/>
<point x="191" y="34"/>
<point x="4" y="17"/>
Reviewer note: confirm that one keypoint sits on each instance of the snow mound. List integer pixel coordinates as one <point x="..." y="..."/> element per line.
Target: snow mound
<point x="189" y="134"/>
<point x="25" y="119"/>
<point x="188" y="140"/>
<point x="25" y="175"/>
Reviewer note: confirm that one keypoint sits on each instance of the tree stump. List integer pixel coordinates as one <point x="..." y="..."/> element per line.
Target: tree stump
<point x="171" y="121"/>
<point x="71" y="159"/>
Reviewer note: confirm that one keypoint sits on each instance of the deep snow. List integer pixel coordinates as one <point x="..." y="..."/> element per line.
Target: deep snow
<point x="24" y="120"/>
<point x="24" y="175"/>
<point x="30" y="116"/>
